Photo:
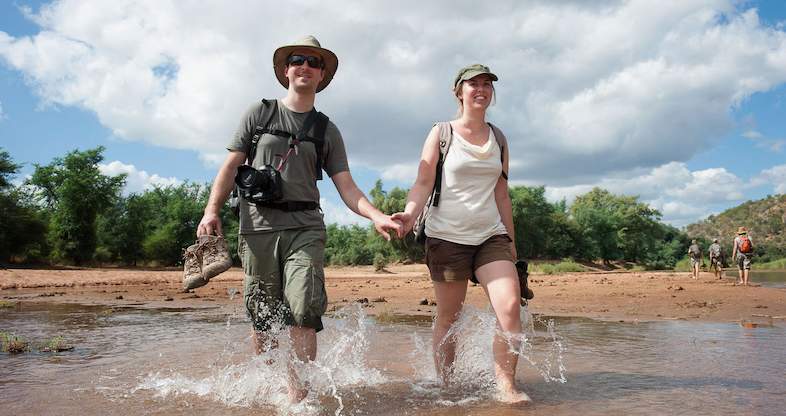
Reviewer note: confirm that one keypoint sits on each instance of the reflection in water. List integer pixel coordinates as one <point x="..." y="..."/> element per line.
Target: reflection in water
<point x="182" y="361"/>
<point x="768" y="278"/>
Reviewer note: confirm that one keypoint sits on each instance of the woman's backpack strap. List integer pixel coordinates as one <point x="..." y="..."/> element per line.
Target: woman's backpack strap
<point x="503" y="143"/>
<point x="445" y="139"/>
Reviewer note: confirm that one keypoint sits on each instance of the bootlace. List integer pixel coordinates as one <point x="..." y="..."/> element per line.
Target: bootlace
<point x="192" y="261"/>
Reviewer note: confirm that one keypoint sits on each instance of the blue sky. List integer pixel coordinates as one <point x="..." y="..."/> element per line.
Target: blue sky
<point x="680" y="103"/>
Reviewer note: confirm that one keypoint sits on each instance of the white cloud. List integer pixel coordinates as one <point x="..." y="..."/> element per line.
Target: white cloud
<point x="340" y="214"/>
<point x="776" y="176"/>
<point x="622" y="85"/>
<point x="610" y="93"/>
<point x="2" y="115"/>
<point x="137" y="180"/>
<point x="759" y="140"/>
<point x="402" y="172"/>
<point x="681" y="195"/>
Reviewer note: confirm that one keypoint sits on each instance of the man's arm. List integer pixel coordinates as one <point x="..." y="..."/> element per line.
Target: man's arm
<point x="219" y="192"/>
<point x="355" y="200"/>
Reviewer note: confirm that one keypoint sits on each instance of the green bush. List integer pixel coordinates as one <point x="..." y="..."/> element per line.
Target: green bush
<point x="565" y="266"/>
<point x="775" y="264"/>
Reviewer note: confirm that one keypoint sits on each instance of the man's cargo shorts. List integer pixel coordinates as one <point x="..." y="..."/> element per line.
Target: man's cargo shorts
<point x="284" y="277"/>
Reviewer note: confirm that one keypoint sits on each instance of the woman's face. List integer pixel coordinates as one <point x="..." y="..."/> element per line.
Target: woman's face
<point x="477" y="92"/>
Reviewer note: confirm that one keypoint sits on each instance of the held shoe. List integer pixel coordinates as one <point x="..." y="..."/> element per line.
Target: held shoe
<point x="526" y="292"/>
<point x="192" y="267"/>
<point x="215" y="256"/>
<point x="205" y="259"/>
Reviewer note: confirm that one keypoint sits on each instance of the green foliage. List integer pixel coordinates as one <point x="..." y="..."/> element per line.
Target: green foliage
<point x="13" y="344"/>
<point x="406" y="249"/>
<point x="616" y="227"/>
<point x="56" y="344"/>
<point x="380" y="261"/>
<point x="76" y="191"/>
<point x="172" y="224"/>
<point x="22" y="223"/>
<point x="779" y="264"/>
<point x="565" y="266"/>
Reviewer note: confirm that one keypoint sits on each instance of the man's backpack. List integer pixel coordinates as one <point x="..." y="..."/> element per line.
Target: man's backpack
<point x="694" y="251"/>
<point x="746" y="246"/>
<point x="445" y="139"/>
<point x="715" y="251"/>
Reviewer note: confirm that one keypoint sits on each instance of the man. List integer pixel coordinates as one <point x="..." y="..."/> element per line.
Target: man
<point x="694" y="252"/>
<point x="742" y="254"/>
<point x="716" y="258"/>
<point x="282" y="233"/>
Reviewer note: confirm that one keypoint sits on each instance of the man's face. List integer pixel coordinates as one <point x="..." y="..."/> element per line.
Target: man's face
<point x="300" y="73"/>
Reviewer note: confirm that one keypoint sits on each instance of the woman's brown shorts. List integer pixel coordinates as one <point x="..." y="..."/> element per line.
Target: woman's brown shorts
<point x="452" y="262"/>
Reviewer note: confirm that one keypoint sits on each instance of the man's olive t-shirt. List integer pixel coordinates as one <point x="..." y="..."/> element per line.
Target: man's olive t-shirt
<point x="299" y="173"/>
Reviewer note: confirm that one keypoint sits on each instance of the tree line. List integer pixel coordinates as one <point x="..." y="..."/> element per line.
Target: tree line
<point x="68" y="212"/>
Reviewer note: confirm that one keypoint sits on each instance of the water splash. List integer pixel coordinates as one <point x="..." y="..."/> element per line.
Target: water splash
<point x="473" y="368"/>
<point x="237" y="379"/>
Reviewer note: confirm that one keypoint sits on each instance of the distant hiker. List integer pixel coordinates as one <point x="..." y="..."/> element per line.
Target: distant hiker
<point x="694" y="252"/>
<point x="716" y="258"/>
<point x="470" y="231"/>
<point x="742" y="254"/>
<point x="275" y="158"/>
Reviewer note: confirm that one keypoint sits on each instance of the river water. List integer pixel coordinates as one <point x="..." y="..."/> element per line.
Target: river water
<point x="199" y="361"/>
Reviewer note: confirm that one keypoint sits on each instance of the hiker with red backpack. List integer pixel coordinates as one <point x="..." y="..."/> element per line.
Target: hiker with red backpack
<point x="469" y="226"/>
<point x="742" y="254"/>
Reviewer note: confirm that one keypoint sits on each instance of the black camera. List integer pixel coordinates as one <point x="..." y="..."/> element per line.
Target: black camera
<point x="261" y="185"/>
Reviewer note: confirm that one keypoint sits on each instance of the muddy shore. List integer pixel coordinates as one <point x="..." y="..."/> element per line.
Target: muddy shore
<point x="402" y="290"/>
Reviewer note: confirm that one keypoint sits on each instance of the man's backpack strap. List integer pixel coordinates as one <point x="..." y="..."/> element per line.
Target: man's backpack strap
<point x="502" y="142"/>
<point x="267" y="110"/>
<point x="317" y="119"/>
<point x="445" y="139"/>
<point x="320" y="127"/>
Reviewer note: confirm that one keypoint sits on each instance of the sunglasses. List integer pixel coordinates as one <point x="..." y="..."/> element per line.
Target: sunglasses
<point x="297" y="60"/>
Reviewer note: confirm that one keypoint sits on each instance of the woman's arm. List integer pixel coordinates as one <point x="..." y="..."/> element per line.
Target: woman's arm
<point x="502" y="196"/>
<point x="424" y="183"/>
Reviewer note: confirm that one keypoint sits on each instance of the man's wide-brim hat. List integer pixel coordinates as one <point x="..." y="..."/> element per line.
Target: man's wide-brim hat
<point x="742" y="230"/>
<point x="328" y="57"/>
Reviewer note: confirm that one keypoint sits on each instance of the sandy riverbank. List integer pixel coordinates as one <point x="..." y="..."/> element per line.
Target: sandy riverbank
<point x="627" y="296"/>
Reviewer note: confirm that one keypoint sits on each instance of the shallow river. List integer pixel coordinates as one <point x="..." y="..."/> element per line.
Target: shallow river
<point x="187" y="362"/>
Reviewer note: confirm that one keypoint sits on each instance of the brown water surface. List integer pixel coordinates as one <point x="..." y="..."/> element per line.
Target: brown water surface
<point x="190" y="362"/>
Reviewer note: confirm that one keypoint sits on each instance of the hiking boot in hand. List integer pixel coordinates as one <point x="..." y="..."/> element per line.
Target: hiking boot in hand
<point x="192" y="267"/>
<point x="215" y="256"/>
<point x="526" y="292"/>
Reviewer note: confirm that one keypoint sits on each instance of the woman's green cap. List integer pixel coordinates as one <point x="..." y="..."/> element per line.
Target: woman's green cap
<point x="472" y="71"/>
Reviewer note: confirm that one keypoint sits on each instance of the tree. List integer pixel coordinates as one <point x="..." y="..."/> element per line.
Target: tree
<point x="174" y="212"/>
<point x="616" y="227"/>
<point x="391" y="202"/>
<point x="76" y="191"/>
<point x="122" y="229"/>
<point x="22" y="225"/>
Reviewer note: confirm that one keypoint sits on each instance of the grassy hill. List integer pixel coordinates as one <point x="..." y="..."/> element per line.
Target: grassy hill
<point x="765" y="220"/>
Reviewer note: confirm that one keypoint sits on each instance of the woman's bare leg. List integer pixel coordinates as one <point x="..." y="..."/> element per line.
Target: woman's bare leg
<point x="500" y="281"/>
<point x="450" y="298"/>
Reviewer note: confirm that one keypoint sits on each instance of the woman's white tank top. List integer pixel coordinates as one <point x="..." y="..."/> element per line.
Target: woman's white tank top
<point x="467" y="211"/>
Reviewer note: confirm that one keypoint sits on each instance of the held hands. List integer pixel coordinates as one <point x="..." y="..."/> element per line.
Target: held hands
<point x="210" y="225"/>
<point x="385" y="224"/>
<point x="406" y="219"/>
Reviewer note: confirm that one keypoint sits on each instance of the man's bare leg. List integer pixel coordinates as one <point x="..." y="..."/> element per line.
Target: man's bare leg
<point x="304" y="348"/>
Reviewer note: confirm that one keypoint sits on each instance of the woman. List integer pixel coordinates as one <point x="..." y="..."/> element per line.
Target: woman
<point x="470" y="233"/>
